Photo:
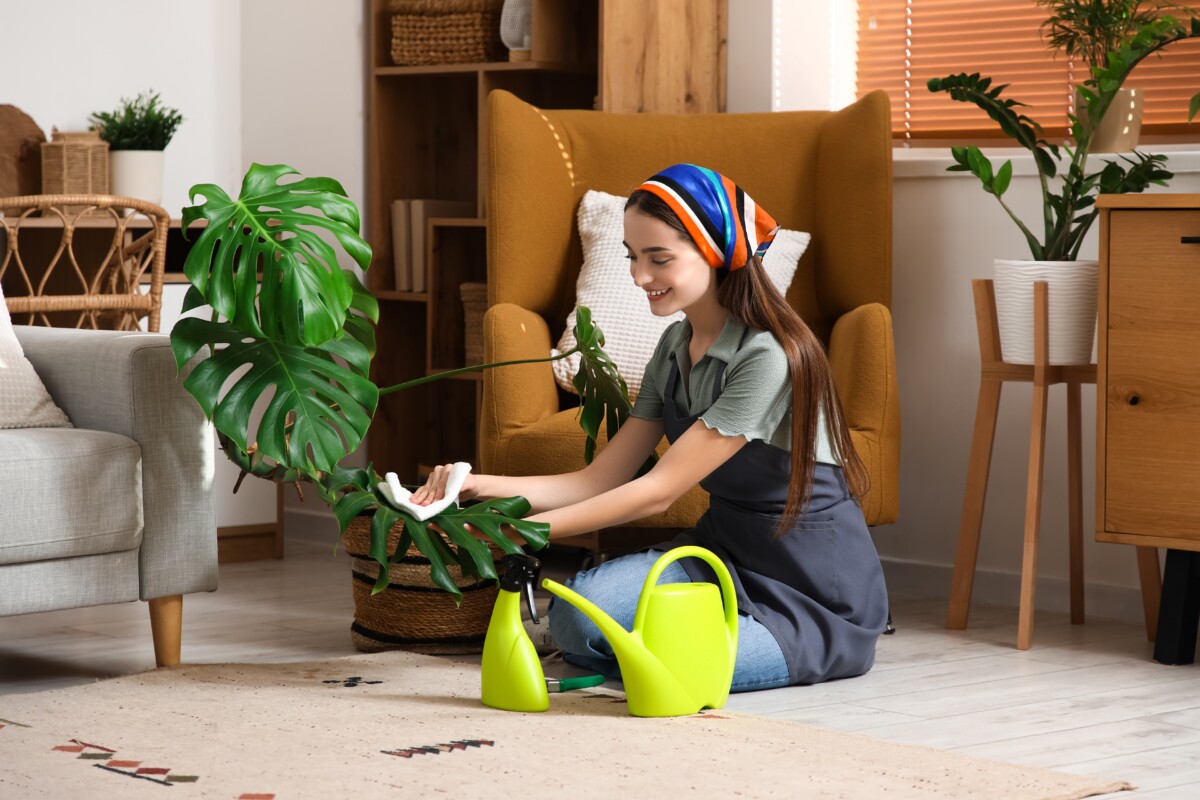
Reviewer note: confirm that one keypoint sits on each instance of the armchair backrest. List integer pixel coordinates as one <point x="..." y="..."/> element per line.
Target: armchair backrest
<point x="825" y="172"/>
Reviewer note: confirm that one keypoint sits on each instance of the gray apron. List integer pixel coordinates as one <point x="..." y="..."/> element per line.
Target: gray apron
<point x="819" y="588"/>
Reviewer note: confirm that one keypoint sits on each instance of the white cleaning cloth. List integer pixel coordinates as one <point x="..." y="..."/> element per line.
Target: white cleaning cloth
<point x="399" y="497"/>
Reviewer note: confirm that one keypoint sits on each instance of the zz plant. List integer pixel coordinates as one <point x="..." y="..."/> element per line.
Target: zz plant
<point x="1068" y="189"/>
<point x="291" y="326"/>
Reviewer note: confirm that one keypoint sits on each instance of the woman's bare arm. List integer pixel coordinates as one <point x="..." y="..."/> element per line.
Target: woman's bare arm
<point x="691" y="459"/>
<point x="615" y="464"/>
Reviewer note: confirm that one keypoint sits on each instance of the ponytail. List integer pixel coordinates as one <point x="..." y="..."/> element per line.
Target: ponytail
<point x="750" y="296"/>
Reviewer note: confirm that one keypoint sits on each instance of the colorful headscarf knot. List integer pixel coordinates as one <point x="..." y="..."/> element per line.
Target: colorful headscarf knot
<point x="726" y="225"/>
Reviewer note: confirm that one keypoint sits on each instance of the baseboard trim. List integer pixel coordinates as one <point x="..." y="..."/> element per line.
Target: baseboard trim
<point x="1002" y="589"/>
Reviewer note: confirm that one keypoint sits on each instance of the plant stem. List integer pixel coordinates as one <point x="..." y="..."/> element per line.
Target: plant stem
<point x="1029" y="237"/>
<point x="437" y="376"/>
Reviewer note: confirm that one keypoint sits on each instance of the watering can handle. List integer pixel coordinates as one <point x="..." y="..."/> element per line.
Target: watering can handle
<point x="728" y="595"/>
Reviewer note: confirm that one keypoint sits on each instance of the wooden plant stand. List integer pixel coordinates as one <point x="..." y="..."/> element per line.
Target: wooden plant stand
<point x="994" y="371"/>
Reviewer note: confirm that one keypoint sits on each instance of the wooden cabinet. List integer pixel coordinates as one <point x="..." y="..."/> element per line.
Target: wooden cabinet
<point x="427" y="138"/>
<point x="1148" y="376"/>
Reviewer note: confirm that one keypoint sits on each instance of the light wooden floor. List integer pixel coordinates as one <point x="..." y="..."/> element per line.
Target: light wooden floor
<point x="1085" y="699"/>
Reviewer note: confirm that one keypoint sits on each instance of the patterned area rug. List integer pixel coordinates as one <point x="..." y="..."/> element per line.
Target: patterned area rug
<point x="404" y="725"/>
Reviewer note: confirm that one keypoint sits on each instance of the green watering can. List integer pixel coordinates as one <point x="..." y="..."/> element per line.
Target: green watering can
<point x="679" y="656"/>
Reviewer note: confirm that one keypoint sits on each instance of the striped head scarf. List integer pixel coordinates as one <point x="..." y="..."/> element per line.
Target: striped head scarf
<point x="725" y="224"/>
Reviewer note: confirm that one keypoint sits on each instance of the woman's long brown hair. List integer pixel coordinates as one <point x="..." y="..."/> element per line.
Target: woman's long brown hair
<point x="752" y="299"/>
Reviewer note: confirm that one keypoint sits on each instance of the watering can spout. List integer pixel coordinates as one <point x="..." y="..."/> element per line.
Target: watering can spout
<point x="624" y="643"/>
<point x="680" y="655"/>
<point x="640" y="669"/>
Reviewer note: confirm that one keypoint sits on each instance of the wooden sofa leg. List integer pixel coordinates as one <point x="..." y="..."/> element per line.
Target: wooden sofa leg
<point x="166" y="623"/>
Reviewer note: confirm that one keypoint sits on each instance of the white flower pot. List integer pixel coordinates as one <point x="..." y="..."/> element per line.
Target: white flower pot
<point x="136" y="173"/>
<point x="1121" y="127"/>
<point x="1072" y="294"/>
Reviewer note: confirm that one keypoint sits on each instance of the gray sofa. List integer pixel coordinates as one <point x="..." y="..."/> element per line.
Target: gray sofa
<point x="120" y="507"/>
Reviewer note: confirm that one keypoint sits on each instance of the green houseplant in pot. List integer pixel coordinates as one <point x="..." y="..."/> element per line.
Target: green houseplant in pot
<point x="1068" y="185"/>
<point x="1087" y="31"/>
<point x="291" y="327"/>
<point x="137" y="132"/>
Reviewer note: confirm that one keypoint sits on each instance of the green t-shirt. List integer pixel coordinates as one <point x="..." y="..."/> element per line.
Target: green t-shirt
<point x="756" y="399"/>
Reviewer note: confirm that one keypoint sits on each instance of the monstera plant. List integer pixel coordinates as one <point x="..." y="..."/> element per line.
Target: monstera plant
<point x="291" y="327"/>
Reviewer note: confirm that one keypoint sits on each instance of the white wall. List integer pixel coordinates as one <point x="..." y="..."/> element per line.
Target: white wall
<point x="303" y="104"/>
<point x="302" y="88"/>
<point x="64" y="59"/>
<point x="947" y="231"/>
<point x="268" y="81"/>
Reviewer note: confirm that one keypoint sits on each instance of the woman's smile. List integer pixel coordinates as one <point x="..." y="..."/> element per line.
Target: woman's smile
<point x="657" y="294"/>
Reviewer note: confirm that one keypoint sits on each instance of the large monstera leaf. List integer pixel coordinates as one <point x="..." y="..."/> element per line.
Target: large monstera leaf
<point x="319" y="410"/>
<point x="304" y="338"/>
<point x="305" y="294"/>
<point x="446" y="539"/>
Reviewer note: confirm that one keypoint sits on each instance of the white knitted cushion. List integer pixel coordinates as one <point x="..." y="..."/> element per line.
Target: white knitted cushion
<point x="24" y="401"/>
<point x="619" y="307"/>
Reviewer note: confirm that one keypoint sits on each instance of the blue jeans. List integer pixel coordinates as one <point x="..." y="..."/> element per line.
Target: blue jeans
<point x="615" y="586"/>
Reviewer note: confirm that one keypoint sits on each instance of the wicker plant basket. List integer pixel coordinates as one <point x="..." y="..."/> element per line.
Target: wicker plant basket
<point x="446" y="31"/>
<point x="412" y="613"/>
<point x="474" y="299"/>
<point x="74" y="163"/>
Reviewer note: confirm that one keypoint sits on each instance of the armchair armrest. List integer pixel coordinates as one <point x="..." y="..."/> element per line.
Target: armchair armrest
<point x="863" y="359"/>
<point x="517" y="396"/>
<point x="127" y="383"/>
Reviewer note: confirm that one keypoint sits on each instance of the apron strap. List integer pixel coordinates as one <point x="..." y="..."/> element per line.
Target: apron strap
<point x="720" y="376"/>
<point x="672" y="377"/>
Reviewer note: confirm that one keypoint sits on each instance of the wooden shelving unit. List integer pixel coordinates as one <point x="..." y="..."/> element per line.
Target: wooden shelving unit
<point x="427" y="138"/>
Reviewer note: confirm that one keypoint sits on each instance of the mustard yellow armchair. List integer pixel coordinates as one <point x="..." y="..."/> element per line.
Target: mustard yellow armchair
<point x="828" y="173"/>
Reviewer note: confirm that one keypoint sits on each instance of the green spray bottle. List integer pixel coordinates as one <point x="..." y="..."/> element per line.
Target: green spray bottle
<point x="512" y="677"/>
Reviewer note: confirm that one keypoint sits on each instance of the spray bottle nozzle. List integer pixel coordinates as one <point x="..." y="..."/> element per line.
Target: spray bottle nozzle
<point x="521" y="572"/>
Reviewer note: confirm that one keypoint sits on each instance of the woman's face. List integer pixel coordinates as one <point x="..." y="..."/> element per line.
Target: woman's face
<point x="666" y="265"/>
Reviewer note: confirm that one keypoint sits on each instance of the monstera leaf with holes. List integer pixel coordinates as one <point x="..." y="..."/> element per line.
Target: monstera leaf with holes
<point x="304" y="339"/>
<point x="291" y="328"/>
<point x="444" y="539"/>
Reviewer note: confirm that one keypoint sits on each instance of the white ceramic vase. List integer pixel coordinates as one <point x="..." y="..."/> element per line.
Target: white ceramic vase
<point x="1121" y="127"/>
<point x="136" y="173"/>
<point x="1072" y="309"/>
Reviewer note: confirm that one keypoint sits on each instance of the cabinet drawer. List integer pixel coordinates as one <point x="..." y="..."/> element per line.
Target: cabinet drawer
<point x="1153" y="276"/>
<point x="1152" y="375"/>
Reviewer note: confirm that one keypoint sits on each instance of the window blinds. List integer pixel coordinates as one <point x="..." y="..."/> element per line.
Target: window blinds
<point x="904" y="43"/>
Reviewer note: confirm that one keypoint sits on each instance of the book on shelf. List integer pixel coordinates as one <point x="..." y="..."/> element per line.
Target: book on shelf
<point x="401" y="248"/>
<point x="420" y="210"/>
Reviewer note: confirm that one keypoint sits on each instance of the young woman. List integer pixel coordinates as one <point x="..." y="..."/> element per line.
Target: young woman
<point x="743" y="391"/>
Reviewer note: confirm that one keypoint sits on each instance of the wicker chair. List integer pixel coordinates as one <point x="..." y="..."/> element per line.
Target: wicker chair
<point x="81" y="260"/>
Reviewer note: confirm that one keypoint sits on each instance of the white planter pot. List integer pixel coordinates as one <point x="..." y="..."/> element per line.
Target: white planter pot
<point x="1072" y="311"/>
<point x="136" y="173"/>
<point x="1121" y="127"/>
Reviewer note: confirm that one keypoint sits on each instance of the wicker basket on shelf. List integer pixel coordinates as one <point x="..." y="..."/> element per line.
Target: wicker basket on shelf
<point x="474" y="300"/>
<point x="446" y="31"/>
<point x="412" y="613"/>
<point x="74" y="163"/>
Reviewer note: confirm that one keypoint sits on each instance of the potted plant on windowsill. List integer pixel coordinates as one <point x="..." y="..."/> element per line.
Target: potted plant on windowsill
<point x="137" y="132"/>
<point x="290" y="325"/>
<point x="1068" y="189"/>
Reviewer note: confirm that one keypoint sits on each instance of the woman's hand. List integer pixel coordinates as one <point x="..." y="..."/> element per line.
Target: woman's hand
<point x="435" y="487"/>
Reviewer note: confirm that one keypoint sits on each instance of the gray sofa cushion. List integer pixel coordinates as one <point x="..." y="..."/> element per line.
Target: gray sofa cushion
<point x="80" y="493"/>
